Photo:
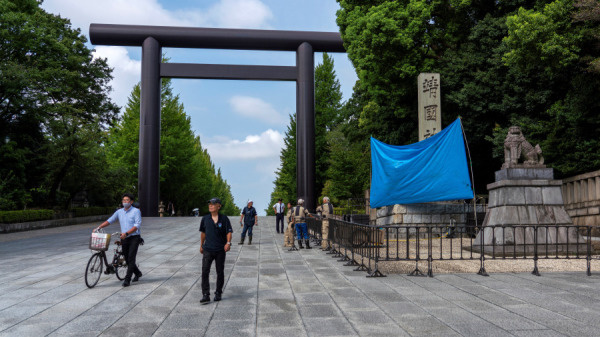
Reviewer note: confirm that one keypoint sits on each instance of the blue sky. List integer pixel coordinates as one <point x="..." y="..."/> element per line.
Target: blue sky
<point x="241" y="123"/>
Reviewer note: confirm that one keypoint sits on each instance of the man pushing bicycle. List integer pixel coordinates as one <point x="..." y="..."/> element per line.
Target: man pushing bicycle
<point x="130" y="219"/>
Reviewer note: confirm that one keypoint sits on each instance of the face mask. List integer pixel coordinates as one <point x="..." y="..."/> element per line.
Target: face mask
<point x="126" y="204"/>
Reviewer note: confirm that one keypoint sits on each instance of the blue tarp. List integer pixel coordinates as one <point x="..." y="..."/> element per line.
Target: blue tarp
<point x="434" y="169"/>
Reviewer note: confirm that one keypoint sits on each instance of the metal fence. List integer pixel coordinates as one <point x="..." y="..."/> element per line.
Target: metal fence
<point x="365" y="246"/>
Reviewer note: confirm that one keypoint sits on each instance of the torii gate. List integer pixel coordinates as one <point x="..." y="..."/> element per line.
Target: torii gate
<point x="153" y="38"/>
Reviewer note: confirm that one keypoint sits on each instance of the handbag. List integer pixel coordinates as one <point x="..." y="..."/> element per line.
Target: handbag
<point x="99" y="241"/>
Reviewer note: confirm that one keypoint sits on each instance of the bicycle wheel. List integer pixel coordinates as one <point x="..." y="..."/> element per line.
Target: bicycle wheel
<point x="93" y="271"/>
<point x="120" y="266"/>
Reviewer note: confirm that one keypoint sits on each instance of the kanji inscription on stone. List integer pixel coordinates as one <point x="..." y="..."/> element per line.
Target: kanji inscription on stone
<point x="430" y="112"/>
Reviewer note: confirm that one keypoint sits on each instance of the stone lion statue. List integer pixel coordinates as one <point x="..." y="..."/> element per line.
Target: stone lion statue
<point x="518" y="152"/>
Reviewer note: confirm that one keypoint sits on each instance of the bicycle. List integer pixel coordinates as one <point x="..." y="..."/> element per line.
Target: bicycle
<point x="98" y="260"/>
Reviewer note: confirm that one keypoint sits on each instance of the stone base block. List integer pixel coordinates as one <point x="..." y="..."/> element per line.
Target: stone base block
<point x="525" y="174"/>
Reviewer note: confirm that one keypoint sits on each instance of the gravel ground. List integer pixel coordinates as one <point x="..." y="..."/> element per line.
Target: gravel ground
<point x="471" y="260"/>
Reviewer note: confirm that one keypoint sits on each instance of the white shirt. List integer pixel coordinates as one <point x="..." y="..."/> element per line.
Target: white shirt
<point x="279" y="207"/>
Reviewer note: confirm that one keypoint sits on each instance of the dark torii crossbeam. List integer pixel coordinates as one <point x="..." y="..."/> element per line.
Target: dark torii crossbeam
<point x="153" y="38"/>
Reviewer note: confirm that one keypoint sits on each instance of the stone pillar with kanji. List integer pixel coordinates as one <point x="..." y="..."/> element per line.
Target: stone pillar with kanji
<point x="430" y="110"/>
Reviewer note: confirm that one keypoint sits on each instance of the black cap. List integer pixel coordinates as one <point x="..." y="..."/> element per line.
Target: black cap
<point x="215" y="201"/>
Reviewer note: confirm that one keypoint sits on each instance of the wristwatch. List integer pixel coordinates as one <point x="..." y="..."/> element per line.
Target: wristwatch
<point x="229" y="243"/>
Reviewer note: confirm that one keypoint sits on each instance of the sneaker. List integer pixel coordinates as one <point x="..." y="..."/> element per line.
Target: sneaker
<point x="205" y="298"/>
<point x="217" y="297"/>
<point x="126" y="283"/>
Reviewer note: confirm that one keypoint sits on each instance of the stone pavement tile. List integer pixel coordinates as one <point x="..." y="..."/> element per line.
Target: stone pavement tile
<point x="164" y="332"/>
<point x="578" y="299"/>
<point x="500" y="299"/>
<point x="380" y="330"/>
<point x="478" y="305"/>
<point x="240" y="281"/>
<point x="509" y="321"/>
<point x="279" y="320"/>
<point x="231" y="328"/>
<point x="537" y="333"/>
<point x="587" y="316"/>
<point x="233" y="312"/>
<point x="423" y="326"/>
<point x="131" y="329"/>
<point x="264" y="294"/>
<point x="314" y="298"/>
<point x="457" y="295"/>
<point x="274" y="305"/>
<point x="304" y="287"/>
<point x="404" y="309"/>
<point x="467" y="323"/>
<point x="141" y="315"/>
<point x="356" y="303"/>
<point x="319" y="310"/>
<point x="385" y="296"/>
<point x="361" y="317"/>
<point x="474" y="289"/>
<point x="428" y="302"/>
<point x="186" y="322"/>
<point x="281" y="332"/>
<point x="329" y="327"/>
<point x="274" y="282"/>
<point x="87" y="324"/>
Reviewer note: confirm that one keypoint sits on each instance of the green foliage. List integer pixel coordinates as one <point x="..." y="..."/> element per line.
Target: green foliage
<point x="285" y="181"/>
<point x="187" y="174"/>
<point x="543" y="38"/>
<point x="328" y="97"/>
<point x="25" y="216"/>
<point x="328" y="106"/>
<point x="526" y="62"/>
<point x="54" y="107"/>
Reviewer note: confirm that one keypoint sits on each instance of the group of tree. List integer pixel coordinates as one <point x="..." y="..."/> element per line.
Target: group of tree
<point x="188" y="177"/>
<point x="531" y="63"/>
<point x="337" y="160"/>
<point x="60" y="134"/>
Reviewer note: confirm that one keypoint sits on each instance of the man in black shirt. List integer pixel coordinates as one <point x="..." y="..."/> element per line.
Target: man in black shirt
<point x="215" y="241"/>
<point x="250" y="219"/>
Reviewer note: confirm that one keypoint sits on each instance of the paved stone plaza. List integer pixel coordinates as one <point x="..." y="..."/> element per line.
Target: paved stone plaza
<point x="270" y="291"/>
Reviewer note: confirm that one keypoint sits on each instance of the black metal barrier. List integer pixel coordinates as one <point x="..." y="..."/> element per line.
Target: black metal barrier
<point x="365" y="246"/>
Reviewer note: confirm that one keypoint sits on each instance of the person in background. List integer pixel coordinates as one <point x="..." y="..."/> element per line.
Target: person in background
<point x="326" y="212"/>
<point x="279" y="208"/>
<point x="215" y="242"/>
<point x="248" y="220"/>
<point x="130" y="219"/>
<point x="299" y="213"/>
<point x="288" y="239"/>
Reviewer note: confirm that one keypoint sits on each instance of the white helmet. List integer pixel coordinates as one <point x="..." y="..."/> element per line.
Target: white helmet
<point x="300" y="201"/>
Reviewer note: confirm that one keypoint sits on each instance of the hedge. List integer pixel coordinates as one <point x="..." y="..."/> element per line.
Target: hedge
<point x="26" y="216"/>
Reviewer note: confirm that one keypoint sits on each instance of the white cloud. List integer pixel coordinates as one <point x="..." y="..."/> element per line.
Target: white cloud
<point x="222" y="14"/>
<point x="240" y="14"/>
<point x="255" y="108"/>
<point x="126" y="72"/>
<point x="267" y="146"/>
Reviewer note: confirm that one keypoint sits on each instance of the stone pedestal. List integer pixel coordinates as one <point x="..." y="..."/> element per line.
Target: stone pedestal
<point x="526" y="197"/>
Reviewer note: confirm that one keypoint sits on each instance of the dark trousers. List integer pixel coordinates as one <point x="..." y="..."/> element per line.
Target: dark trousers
<point x="130" y="248"/>
<point x="278" y="219"/>
<point x="207" y="259"/>
<point x="247" y="228"/>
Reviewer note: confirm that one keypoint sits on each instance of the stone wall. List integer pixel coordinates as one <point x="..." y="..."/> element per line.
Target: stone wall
<point x="581" y="195"/>
<point x="27" y="226"/>
<point x="438" y="213"/>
